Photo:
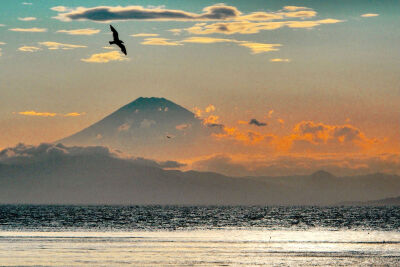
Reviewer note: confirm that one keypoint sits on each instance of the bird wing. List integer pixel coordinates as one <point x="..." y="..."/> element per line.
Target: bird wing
<point x="123" y="49"/>
<point x="115" y="33"/>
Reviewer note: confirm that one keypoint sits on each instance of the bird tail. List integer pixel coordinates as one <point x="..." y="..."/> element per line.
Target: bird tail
<point x="111" y="42"/>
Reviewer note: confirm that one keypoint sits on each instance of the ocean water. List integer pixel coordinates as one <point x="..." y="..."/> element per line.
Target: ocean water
<point x="198" y="236"/>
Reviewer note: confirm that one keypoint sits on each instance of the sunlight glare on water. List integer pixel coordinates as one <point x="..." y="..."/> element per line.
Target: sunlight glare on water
<point x="229" y="247"/>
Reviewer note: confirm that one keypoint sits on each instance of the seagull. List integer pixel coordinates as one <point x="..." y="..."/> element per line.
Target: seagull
<point x="117" y="41"/>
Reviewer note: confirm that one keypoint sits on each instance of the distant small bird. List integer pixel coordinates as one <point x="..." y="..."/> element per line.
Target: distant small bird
<point x="117" y="41"/>
<point x="169" y="137"/>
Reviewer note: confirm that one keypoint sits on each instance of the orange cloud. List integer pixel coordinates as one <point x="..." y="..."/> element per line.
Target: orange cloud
<point x="248" y="137"/>
<point x="319" y="134"/>
<point x="39" y="114"/>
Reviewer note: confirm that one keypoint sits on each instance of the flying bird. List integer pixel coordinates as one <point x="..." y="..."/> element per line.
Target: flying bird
<point x="117" y="41"/>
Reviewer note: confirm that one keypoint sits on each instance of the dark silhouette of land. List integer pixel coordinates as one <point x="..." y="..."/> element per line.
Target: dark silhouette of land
<point x="117" y="41"/>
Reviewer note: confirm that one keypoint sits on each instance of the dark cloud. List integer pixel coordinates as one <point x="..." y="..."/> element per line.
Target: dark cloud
<point x="216" y="125"/>
<point x="257" y="123"/>
<point x="25" y="154"/>
<point x="108" y="13"/>
<point x="170" y="164"/>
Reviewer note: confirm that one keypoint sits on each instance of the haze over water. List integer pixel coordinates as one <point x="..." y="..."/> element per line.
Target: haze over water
<point x="202" y="236"/>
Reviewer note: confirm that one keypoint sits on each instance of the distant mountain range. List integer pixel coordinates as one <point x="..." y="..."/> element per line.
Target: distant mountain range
<point x="145" y="127"/>
<point x="56" y="174"/>
<point x="391" y="201"/>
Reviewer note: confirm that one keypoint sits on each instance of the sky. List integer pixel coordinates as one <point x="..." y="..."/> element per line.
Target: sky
<point x="319" y="78"/>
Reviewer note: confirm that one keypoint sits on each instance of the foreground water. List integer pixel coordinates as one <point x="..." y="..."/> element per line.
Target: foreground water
<point x="204" y="236"/>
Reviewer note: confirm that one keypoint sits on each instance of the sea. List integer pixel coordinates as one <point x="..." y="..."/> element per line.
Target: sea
<point x="55" y="235"/>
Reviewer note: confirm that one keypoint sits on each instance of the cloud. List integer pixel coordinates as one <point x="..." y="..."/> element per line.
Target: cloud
<point x="206" y="40"/>
<point x="170" y="164"/>
<point x="279" y="60"/>
<point x="145" y="35"/>
<point x="109" y="13"/>
<point x="26" y="3"/>
<point x="29" y="48"/>
<point x="269" y="165"/>
<point x="159" y="41"/>
<point x="73" y="114"/>
<point x="247" y="137"/>
<point x="28" y="30"/>
<point x="80" y="31"/>
<point x="176" y="31"/>
<point x="294" y="8"/>
<point x="309" y="136"/>
<point x="369" y="15"/>
<point x="2" y="43"/>
<point x="105" y="57"/>
<point x="300" y="14"/>
<point x="25" y="154"/>
<point x="49" y="114"/>
<point x="59" y="9"/>
<point x="248" y="27"/>
<point x="210" y="108"/>
<point x="56" y="46"/>
<point x="27" y="19"/>
<point x="257" y="48"/>
<point x="257" y="123"/>
<point x="39" y="114"/>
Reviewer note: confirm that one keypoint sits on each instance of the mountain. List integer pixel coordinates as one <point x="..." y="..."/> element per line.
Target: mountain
<point x="145" y="127"/>
<point x="57" y="174"/>
<point x="391" y="201"/>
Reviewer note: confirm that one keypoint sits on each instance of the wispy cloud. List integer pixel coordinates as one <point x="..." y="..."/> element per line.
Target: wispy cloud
<point x="206" y="40"/>
<point x="28" y="30"/>
<point x="27" y="19"/>
<point x="26" y="3"/>
<point x="60" y="8"/>
<point x="257" y="48"/>
<point x="74" y="114"/>
<point x="159" y="41"/>
<point x="105" y="57"/>
<point x="29" y="49"/>
<point x="49" y="114"/>
<point x="294" y="8"/>
<point x="38" y="114"/>
<point x="145" y="35"/>
<point x="55" y="45"/>
<point x="2" y="43"/>
<point x="368" y="15"/>
<point x="279" y="60"/>
<point x="248" y="27"/>
<point x="89" y="31"/>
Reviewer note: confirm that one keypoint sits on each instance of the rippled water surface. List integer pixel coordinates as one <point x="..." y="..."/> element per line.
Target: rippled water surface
<point x="203" y="236"/>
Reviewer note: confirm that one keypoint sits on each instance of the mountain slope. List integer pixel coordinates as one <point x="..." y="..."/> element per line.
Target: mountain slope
<point x="144" y="127"/>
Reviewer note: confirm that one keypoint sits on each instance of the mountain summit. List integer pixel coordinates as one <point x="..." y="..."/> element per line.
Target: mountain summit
<point x="146" y="127"/>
